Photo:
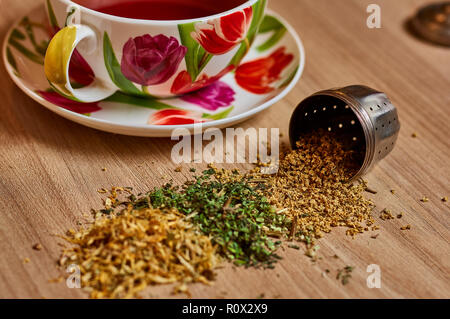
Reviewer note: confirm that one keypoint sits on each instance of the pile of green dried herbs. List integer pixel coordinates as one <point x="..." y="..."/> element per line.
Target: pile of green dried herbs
<point x="236" y="216"/>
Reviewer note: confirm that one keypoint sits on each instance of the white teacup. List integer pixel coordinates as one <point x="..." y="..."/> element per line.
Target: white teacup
<point x="149" y="58"/>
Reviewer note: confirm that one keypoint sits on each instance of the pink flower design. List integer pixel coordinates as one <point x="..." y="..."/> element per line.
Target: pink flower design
<point x="219" y="36"/>
<point x="218" y="94"/>
<point x="74" y="106"/>
<point x="176" y="117"/>
<point x="151" y="60"/>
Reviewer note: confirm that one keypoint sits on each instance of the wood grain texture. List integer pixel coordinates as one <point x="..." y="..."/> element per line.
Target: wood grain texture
<point x="50" y="168"/>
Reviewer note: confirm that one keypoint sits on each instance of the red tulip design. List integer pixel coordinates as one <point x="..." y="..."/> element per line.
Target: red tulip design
<point x="258" y="75"/>
<point x="219" y="36"/>
<point x="151" y="60"/>
<point x="183" y="82"/>
<point x="74" y="106"/>
<point x="176" y="117"/>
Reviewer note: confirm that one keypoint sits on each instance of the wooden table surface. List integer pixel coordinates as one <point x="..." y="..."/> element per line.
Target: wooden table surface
<point x="50" y="168"/>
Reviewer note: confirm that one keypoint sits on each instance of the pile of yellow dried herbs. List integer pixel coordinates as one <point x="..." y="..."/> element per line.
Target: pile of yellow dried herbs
<point x="312" y="187"/>
<point x="121" y="254"/>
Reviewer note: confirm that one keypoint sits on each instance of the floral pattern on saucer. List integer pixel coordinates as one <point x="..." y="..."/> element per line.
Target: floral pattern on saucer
<point x="270" y="68"/>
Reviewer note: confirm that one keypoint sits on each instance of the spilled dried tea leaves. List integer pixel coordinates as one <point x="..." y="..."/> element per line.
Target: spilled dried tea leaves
<point x="121" y="254"/>
<point x="311" y="186"/>
<point x="225" y="206"/>
<point x="344" y="274"/>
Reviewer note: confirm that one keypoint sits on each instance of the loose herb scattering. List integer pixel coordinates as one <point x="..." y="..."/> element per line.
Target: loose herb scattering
<point x="386" y="214"/>
<point x="171" y="234"/>
<point x="226" y="207"/>
<point x="344" y="274"/>
<point x="121" y="254"/>
<point x="311" y="185"/>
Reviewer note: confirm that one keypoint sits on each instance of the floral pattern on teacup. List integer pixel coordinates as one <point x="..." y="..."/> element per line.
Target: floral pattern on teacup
<point x="183" y="82"/>
<point x="210" y="94"/>
<point x="220" y="36"/>
<point x="151" y="60"/>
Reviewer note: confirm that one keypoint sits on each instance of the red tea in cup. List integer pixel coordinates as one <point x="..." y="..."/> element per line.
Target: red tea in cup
<point x="161" y="9"/>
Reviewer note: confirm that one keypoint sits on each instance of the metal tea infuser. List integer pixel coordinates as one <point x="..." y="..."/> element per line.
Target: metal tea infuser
<point x="364" y="117"/>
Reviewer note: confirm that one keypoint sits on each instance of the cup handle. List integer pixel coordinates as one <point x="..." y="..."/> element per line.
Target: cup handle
<point x="57" y="61"/>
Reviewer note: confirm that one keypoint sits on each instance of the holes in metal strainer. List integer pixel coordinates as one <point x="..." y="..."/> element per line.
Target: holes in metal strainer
<point x="337" y="118"/>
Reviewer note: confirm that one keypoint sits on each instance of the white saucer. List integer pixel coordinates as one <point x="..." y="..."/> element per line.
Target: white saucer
<point x="23" y="59"/>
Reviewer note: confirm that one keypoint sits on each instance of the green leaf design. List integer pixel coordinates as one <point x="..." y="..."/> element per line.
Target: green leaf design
<point x="258" y="15"/>
<point x="12" y="61"/>
<point x="40" y="48"/>
<point x="17" y="35"/>
<point x="289" y="78"/>
<point x="51" y="14"/>
<point x="218" y="116"/>
<point x="113" y="67"/>
<point x="155" y="104"/>
<point x="274" y="39"/>
<point x="196" y="57"/>
<point x="31" y="55"/>
<point x="203" y="59"/>
<point x="271" y="24"/>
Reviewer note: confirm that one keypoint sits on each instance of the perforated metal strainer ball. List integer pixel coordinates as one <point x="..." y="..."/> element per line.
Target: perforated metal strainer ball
<point x="363" y="117"/>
